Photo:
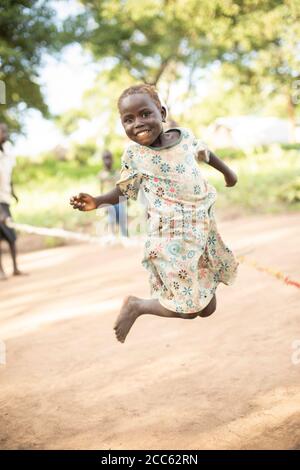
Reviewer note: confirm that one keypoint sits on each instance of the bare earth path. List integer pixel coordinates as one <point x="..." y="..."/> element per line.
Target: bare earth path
<point x="224" y="382"/>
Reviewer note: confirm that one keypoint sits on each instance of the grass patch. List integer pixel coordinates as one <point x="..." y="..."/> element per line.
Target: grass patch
<point x="264" y="181"/>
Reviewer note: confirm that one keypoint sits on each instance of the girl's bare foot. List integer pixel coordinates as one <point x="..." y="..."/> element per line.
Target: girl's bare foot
<point x="128" y="314"/>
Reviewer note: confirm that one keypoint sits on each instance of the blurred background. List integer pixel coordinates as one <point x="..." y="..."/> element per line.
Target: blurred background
<point x="229" y="70"/>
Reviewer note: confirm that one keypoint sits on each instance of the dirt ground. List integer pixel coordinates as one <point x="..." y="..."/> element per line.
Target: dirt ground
<point x="224" y="382"/>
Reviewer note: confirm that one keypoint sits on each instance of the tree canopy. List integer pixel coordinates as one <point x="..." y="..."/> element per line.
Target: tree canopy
<point x="248" y="49"/>
<point x="28" y="30"/>
<point x="252" y="46"/>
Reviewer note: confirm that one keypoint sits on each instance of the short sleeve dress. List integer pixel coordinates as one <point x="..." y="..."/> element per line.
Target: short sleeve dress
<point x="184" y="253"/>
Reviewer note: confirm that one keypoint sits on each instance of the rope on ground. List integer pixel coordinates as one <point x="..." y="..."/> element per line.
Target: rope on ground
<point x="53" y="232"/>
<point x="273" y="272"/>
<point x="69" y="235"/>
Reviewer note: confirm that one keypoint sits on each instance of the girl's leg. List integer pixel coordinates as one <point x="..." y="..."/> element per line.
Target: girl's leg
<point x="134" y="307"/>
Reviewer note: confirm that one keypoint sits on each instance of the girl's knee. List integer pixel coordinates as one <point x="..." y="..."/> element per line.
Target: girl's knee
<point x="189" y="316"/>
<point x="209" y="309"/>
<point x="206" y="313"/>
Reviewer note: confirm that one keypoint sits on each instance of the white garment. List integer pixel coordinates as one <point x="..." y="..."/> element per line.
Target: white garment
<point x="7" y="163"/>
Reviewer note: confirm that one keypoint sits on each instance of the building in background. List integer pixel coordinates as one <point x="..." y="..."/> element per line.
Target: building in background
<point x="247" y="131"/>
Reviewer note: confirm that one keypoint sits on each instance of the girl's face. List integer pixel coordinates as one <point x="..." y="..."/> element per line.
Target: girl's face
<point x="141" y="118"/>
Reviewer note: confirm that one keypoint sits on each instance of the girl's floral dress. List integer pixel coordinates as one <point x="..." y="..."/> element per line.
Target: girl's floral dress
<point x="184" y="252"/>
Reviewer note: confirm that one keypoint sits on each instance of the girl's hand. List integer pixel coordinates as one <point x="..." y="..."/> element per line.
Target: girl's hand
<point x="230" y="178"/>
<point x="83" y="202"/>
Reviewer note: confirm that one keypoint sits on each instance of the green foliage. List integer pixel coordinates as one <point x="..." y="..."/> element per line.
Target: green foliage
<point x="262" y="178"/>
<point x="294" y="146"/>
<point x="53" y="242"/>
<point x="264" y="56"/>
<point x="230" y="153"/>
<point x="44" y="189"/>
<point x="142" y="38"/>
<point x="68" y="121"/>
<point x="146" y="38"/>
<point x="82" y="153"/>
<point x="28" y="29"/>
<point x="290" y="192"/>
<point x="100" y="104"/>
<point x="49" y="168"/>
<point x="247" y="51"/>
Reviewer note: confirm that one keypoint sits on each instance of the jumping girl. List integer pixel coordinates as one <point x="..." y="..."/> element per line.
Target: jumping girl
<point x="184" y="253"/>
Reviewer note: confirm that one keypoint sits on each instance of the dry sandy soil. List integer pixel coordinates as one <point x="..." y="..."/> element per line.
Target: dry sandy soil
<point x="224" y="382"/>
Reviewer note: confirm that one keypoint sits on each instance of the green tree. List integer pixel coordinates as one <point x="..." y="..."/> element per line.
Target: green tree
<point x="99" y="108"/>
<point x="145" y="38"/>
<point x="257" y="43"/>
<point x="251" y="47"/>
<point x="265" y="55"/>
<point x="28" y="29"/>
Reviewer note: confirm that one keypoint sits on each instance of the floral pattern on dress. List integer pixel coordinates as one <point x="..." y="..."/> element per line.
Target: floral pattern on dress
<point x="184" y="253"/>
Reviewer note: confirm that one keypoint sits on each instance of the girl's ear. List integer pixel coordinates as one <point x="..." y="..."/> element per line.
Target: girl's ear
<point x="163" y="113"/>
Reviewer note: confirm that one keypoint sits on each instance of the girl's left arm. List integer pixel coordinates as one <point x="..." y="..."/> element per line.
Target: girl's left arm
<point x="229" y="175"/>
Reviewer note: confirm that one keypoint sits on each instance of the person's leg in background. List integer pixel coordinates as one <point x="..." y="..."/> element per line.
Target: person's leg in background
<point x="122" y="218"/>
<point x="117" y="218"/>
<point x="10" y="237"/>
<point x="8" y="234"/>
<point x="13" y="252"/>
<point x="111" y="218"/>
<point x="2" y="273"/>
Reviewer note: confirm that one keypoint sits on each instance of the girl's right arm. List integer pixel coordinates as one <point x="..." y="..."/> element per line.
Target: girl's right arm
<point x="86" y="202"/>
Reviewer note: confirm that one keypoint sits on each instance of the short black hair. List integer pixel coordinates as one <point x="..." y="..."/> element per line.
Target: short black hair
<point x="140" y="89"/>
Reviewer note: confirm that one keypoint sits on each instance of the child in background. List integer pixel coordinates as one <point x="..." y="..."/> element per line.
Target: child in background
<point x="184" y="253"/>
<point x="108" y="177"/>
<point x="7" y="163"/>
